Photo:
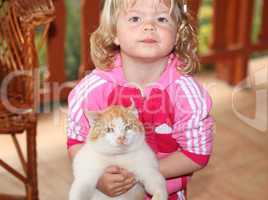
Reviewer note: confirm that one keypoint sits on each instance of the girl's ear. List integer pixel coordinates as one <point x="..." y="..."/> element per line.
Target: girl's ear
<point x="92" y="117"/>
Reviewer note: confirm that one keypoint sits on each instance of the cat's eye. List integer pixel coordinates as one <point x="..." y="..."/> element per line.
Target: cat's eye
<point x="128" y="127"/>
<point x="109" y="130"/>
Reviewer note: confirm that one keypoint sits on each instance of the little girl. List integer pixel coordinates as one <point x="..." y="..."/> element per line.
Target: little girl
<point x="146" y="51"/>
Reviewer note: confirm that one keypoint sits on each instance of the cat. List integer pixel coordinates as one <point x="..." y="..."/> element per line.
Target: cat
<point x="117" y="137"/>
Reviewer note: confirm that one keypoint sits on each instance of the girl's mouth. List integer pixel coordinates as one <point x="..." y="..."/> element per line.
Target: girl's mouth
<point x="149" y="41"/>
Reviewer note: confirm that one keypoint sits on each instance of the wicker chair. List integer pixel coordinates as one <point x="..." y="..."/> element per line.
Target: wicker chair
<point x="18" y="76"/>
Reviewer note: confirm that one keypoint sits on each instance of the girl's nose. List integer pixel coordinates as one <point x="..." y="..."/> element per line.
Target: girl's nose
<point x="149" y="26"/>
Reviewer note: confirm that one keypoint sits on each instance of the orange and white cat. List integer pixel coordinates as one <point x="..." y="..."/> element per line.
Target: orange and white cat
<point x="117" y="137"/>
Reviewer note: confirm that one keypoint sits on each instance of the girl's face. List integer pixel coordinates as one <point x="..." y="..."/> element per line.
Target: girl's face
<point x="145" y="30"/>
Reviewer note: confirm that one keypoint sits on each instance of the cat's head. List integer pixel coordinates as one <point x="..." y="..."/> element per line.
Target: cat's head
<point x="116" y="129"/>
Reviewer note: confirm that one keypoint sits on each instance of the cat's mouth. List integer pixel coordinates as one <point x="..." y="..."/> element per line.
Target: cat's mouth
<point x="123" y="145"/>
<point x="120" y="149"/>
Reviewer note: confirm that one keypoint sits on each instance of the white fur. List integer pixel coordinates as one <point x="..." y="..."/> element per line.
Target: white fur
<point x="134" y="155"/>
<point x="117" y="132"/>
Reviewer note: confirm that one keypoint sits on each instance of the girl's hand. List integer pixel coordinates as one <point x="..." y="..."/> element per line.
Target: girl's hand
<point x="115" y="181"/>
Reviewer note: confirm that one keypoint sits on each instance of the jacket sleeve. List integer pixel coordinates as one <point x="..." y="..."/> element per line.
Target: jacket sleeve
<point x="193" y="125"/>
<point x="85" y="96"/>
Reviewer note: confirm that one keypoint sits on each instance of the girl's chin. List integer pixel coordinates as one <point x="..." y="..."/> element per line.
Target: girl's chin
<point x="148" y="57"/>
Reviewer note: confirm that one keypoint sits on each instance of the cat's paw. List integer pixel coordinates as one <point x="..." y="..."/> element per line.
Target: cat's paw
<point x="160" y="196"/>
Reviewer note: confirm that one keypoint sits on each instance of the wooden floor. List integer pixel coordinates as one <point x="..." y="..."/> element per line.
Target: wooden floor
<point x="238" y="169"/>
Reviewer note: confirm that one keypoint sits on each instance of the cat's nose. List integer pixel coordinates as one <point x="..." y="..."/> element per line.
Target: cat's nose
<point x="121" y="139"/>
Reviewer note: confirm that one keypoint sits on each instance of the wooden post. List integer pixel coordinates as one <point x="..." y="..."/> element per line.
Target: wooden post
<point x="231" y="36"/>
<point x="90" y="13"/>
<point x="55" y="45"/>
<point x="232" y="25"/>
<point x="194" y="8"/>
<point x="263" y="37"/>
<point x="239" y="69"/>
<point x="219" y="40"/>
<point x="32" y="185"/>
<point x="232" y="22"/>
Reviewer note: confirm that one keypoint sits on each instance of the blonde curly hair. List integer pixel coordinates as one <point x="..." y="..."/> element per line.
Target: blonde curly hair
<point x="103" y="49"/>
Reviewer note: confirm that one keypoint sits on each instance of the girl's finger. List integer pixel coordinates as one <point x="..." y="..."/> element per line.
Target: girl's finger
<point x="117" y="185"/>
<point x="129" y="185"/>
<point x="119" y="191"/>
<point x="122" y="182"/>
<point x="130" y="180"/>
<point x="123" y="189"/>
<point x="126" y="173"/>
<point x="117" y="178"/>
<point x="121" y="186"/>
<point x="118" y="194"/>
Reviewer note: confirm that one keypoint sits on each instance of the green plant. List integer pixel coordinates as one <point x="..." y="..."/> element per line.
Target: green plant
<point x="72" y="45"/>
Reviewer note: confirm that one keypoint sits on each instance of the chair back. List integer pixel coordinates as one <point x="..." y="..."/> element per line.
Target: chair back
<point x="18" y="54"/>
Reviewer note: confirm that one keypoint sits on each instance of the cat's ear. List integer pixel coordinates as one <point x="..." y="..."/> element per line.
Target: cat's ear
<point x="92" y="117"/>
<point x="132" y="108"/>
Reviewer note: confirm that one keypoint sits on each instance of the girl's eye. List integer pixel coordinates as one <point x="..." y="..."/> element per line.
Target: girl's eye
<point x="134" y="19"/>
<point x="162" y="19"/>
<point x="128" y="127"/>
<point x="109" y="130"/>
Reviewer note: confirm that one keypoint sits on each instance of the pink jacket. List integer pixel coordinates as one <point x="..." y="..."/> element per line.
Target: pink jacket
<point x="174" y="111"/>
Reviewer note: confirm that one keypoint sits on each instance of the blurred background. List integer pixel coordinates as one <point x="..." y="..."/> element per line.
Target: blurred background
<point x="233" y="49"/>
